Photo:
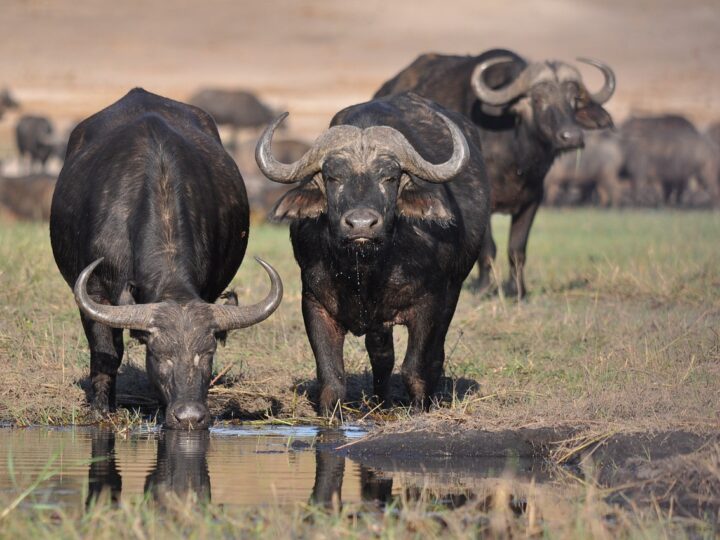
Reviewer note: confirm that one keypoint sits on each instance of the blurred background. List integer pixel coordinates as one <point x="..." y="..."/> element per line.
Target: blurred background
<point x="66" y="60"/>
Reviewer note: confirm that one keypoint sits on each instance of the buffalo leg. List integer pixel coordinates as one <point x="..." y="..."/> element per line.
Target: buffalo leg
<point x="326" y="340"/>
<point x="103" y="474"/>
<point x="106" y="351"/>
<point x="519" y="233"/>
<point x="329" y="471"/>
<point x="379" y="345"/>
<point x="488" y="250"/>
<point x="425" y="356"/>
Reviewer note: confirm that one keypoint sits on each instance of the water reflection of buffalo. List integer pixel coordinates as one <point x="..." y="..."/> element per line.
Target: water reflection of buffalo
<point x="663" y="154"/>
<point x="150" y="198"/>
<point x="526" y="113"/>
<point x="329" y="472"/>
<point x="181" y="468"/>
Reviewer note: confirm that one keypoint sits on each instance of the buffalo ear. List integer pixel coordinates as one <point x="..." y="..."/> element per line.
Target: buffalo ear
<point x="414" y="202"/>
<point x="231" y="299"/>
<point x="593" y="116"/>
<point x="127" y="298"/>
<point x="306" y="201"/>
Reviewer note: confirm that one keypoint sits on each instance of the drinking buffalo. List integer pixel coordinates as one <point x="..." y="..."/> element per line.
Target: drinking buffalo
<point x="149" y="221"/>
<point x="527" y="113"/>
<point x="662" y="155"/>
<point x="387" y="222"/>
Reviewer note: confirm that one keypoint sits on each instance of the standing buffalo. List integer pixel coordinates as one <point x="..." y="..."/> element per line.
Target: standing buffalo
<point x="149" y="198"/>
<point x="27" y="197"/>
<point x="387" y="222"/>
<point x="35" y="140"/>
<point x="7" y="101"/>
<point x="713" y="132"/>
<point x="527" y="113"/>
<point x="237" y="109"/>
<point x="662" y="155"/>
<point x="591" y="172"/>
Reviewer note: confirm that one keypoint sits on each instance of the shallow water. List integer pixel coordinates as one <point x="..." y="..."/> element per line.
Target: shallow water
<point x="233" y="465"/>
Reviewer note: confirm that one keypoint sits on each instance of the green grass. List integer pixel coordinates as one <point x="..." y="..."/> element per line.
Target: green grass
<point x="621" y="325"/>
<point x="621" y="331"/>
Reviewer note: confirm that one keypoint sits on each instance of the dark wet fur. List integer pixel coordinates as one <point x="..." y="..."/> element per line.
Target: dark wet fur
<point x="148" y="186"/>
<point x="518" y="152"/>
<point x="410" y="275"/>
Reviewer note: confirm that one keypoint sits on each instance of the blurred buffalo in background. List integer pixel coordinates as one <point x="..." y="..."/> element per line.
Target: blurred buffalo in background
<point x="26" y="198"/>
<point x="236" y="109"/>
<point x="527" y="113"/>
<point x="713" y="132"/>
<point x="7" y="101"/>
<point x="591" y="175"/>
<point x="37" y="142"/>
<point x="262" y="195"/>
<point x="664" y="155"/>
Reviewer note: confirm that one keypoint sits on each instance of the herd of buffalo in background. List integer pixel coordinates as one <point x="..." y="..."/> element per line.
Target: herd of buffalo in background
<point x="388" y="213"/>
<point x="646" y="161"/>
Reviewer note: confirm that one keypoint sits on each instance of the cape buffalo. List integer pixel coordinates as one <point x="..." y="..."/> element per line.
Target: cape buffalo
<point x="237" y="109"/>
<point x="27" y="197"/>
<point x="713" y="132"/>
<point x="527" y="113"/>
<point x="35" y="140"/>
<point x="593" y="171"/>
<point x="387" y="222"/>
<point x="7" y="101"/>
<point x="662" y="155"/>
<point x="149" y="221"/>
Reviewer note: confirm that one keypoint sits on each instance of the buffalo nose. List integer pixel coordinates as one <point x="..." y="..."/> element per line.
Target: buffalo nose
<point x="571" y="137"/>
<point x="362" y="220"/>
<point x="190" y="415"/>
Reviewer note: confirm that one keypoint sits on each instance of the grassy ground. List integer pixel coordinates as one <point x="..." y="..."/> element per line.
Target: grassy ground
<point x="545" y="518"/>
<point x="621" y="328"/>
<point x="621" y="332"/>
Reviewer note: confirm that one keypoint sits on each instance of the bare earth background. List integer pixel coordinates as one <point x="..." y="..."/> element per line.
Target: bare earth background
<point x="314" y="57"/>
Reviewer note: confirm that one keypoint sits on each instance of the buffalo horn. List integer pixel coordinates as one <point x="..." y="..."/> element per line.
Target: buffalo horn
<point x="606" y="92"/>
<point x="234" y="317"/>
<point x="134" y="317"/>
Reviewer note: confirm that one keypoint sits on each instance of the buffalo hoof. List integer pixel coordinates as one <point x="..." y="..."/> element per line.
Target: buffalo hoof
<point x="101" y="404"/>
<point x="330" y="403"/>
<point x="484" y="290"/>
<point x="98" y="415"/>
<point x="511" y="292"/>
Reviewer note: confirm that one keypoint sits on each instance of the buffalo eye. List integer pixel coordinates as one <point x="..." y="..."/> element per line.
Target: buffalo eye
<point x="329" y="179"/>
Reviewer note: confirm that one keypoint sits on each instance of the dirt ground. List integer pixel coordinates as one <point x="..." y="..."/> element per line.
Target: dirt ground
<point x="314" y="57"/>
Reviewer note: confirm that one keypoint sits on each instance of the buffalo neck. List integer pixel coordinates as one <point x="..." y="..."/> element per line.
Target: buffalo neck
<point x="165" y="254"/>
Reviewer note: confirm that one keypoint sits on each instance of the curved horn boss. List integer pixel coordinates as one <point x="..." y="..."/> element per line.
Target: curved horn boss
<point x="341" y="136"/>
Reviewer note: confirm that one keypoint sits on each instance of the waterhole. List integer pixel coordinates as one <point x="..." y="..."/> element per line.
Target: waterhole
<point x="231" y="465"/>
